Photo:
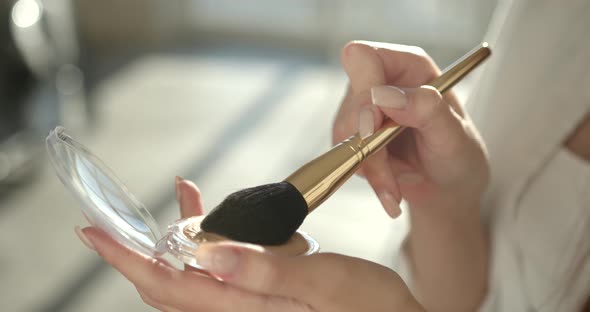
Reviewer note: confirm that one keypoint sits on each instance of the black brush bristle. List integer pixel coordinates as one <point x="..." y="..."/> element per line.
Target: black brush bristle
<point x="264" y="215"/>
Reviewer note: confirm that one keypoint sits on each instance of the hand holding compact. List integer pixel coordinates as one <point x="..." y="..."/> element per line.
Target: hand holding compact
<point x="253" y="278"/>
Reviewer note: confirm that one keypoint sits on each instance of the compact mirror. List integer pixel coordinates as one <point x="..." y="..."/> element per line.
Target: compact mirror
<point x="108" y="205"/>
<point x="106" y="202"/>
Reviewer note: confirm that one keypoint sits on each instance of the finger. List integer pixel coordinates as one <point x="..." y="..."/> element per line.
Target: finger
<point x="153" y="303"/>
<point x="250" y="267"/>
<point x="404" y="66"/>
<point x="363" y="66"/>
<point x="357" y="114"/>
<point x="347" y="120"/>
<point x="168" y="286"/>
<point x="370" y="64"/>
<point x="380" y="172"/>
<point x="366" y="118"/>
<point x="309" y="279"/>
<point x="350" y="120"/>
<point x="438" y="126"/>
<point x="189" y="198"/>
<point x="376" y="169"/>
<point x="379" y="169"/>
<point x="321" y="281"/>
<point x="409" y="66"/>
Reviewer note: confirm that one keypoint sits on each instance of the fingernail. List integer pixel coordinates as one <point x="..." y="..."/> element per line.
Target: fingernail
<point x="390" y="204"/>
<point x="83" y="238"/>
<point x="178" y="179"/>
<point x="389" y="96"/>
<point x="366" y="122"/>
<point x="219" y="260"/>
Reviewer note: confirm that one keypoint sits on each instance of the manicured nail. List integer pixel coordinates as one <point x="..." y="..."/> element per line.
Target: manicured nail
<point x="409" y="178"/>
<point x="218" y="260"/>
<point x="390" y="204"/>
<point x="178" y="192"/>
<point x="366" y="122"/>
<point x="389" y="96"/>
<point x="83" y="238"/>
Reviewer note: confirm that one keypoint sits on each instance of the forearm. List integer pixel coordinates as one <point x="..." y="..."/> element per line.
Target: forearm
<point x="448" y="250"/>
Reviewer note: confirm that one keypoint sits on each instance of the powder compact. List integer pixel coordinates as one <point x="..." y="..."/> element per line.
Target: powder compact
<point x="107" y="204"/>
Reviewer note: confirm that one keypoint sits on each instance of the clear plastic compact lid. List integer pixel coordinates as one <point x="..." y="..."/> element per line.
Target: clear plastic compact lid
<point x="106" y="202"/>
<point x="108" y="205"/>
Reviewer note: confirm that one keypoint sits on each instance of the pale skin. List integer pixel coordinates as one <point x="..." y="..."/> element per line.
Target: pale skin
<point x="438" y="166"/>
<point x="258" y="281"/>
<point x="447" y="245"/>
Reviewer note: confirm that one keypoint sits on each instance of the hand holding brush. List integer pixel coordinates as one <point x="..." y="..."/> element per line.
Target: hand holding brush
<point x="270" y="214"/>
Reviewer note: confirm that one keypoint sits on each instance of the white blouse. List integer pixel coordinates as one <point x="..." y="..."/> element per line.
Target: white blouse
<point x="533" y="92"/>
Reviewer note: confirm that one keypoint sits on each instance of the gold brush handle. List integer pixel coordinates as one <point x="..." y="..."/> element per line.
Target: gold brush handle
<point x="453" y="74"/>
<point x="321" y="177"/>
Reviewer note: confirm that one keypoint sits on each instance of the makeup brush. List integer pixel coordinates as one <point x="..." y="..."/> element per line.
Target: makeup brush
<point x="270" y="214"/>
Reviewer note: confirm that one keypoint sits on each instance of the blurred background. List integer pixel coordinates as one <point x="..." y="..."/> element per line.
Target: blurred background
<point x="229" y="94"/>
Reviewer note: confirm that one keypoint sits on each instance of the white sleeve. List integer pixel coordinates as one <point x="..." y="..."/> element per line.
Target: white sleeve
<point x="533" y="92"/>
<point x="540" y="252"/>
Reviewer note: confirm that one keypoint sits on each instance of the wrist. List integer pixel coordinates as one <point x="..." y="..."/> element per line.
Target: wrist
<point x="445" y="208"/>
<point x="447" y="220"/>
<point x="438" y="199"/>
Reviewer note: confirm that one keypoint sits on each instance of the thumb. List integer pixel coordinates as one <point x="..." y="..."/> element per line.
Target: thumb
<point x="324" y="281"/>
<point x="423" y="109"/>
<point x="252" y="268"/>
